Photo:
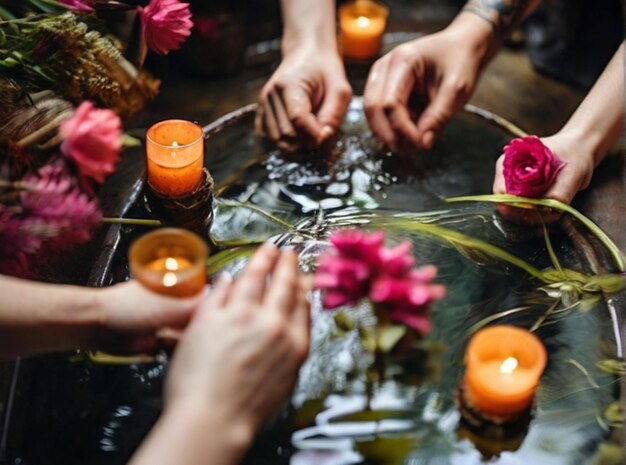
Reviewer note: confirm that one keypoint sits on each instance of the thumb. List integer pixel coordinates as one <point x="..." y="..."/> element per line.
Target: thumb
<point x="334" y="105"/>
<point x="438" y="112"/>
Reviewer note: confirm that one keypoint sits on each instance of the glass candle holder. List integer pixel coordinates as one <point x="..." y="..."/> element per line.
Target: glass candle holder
<point x="362" y="24"/>
<point x="175" y="156"/>
<point x="503" y="367"/>
<point x="169" y="261"/>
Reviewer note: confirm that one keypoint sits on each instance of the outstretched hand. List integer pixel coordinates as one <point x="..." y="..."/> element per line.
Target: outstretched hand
<point x="304" y="101"/>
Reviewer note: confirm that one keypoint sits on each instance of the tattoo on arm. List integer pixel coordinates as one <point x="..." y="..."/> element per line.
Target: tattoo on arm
<point x="503" y="15"/>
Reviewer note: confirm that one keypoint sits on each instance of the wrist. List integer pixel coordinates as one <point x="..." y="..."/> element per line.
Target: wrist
<point x="229" y="431"/>
<point x="475" y="34"/>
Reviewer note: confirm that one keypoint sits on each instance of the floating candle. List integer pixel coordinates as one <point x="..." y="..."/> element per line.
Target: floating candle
<point x="503" y="366"/>
<point x="169" y="261"/>
<point x="362" y="24"/>
<point x="175" y="155"/>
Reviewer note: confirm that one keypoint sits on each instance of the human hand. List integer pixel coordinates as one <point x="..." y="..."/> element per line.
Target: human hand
<point x="437" y="73"/>
<point x="132" y="316"/>
<point x="575" y="174"/>
<point x="239" y="357"/>
<point x="304" y="101"/>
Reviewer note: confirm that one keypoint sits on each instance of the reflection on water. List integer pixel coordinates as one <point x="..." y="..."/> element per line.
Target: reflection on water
<point x="106" y="410"/>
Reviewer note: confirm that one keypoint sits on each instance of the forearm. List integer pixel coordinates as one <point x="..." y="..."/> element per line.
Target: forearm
<point x="193" y="435"/>
<point x="37" y="317"/>
<point x="598" y="121"/>
<point x="308" y="24"/>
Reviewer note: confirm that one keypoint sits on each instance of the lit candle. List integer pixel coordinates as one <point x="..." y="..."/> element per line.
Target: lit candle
<point x="175" y="156"/>
<point x="169" y="261"/>
<point x="362" y="24"/>
<point x="503" y="366"/>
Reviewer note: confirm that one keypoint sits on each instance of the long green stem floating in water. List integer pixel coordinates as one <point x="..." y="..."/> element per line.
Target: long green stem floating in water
<point x="133" y="221"/>
<point x="556" y="205"/>
<point x="455" y="237"/>
<point x="254" y="208"/>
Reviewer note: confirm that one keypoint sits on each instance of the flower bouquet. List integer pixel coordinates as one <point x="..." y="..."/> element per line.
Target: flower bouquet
<point x="65" y="83"/>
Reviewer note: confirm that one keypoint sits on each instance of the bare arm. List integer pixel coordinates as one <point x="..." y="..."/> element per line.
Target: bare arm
<point x="37" y="317"/>
<point x="305" y="99"/>
<point x="441" y="70"/>
<point x="591" y="131"/>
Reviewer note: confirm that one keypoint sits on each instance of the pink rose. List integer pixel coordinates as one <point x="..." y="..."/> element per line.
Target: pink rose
<point x="397" y="261"/>
<point x="92" y="140"/>
<point x="529" y="167"/>
<point x="166" y="24"/>
<point x="343" y="279"/>
<point x="79" y="5"/>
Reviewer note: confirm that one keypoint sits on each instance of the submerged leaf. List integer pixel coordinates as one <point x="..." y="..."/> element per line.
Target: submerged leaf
<point x="388" y="337"/>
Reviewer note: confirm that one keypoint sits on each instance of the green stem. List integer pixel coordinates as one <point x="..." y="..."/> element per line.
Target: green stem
<point x="456" y="237"/>
<point x="134" y="221"/>
<point x="258" y="210"/>
<point x="556" y="205"/>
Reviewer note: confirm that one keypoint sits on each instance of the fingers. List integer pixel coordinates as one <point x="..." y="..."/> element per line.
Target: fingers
<point x="249" y="288"/>
<point x="449" y="97"/>
<point x="299" y="105"/>
<point x="567" y="183"/>
<point x="372" y="101"/>
<point x="220" y="292"/>
<point x="284" y="124"/>
<point x="334" y="106"/>
<point x="284" y="289"/>
<point x="499" y="186"/>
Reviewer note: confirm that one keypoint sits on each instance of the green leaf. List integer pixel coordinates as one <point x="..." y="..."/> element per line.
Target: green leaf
<point x="130" y="141"/>
<point x="559" y="206"/>
<point x="613" y="366"/>
<point x="344" y="321"/>
<point x="219" y="260"/>
<point x="3" y="37"/>
<point x="6" y="14"/>
<point x="388" y="337"/>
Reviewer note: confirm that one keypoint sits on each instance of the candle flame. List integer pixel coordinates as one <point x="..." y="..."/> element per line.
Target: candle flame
<point x="169" y="279"/>
<point x="171" y="264"/>
<point x="363" y="21"/>
<point x="508" y="366"/>
<point x="174" y="144"/>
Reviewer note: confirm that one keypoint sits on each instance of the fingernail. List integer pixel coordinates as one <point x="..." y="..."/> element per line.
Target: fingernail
<point x="327" y="131"/>
<point x="428" y="139"/>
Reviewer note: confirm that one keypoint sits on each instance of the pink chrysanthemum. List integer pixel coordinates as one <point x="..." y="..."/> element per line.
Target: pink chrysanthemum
<point x="359" y="266"/>
<point x="93" y="141"/>
<point x="166" y="24"/>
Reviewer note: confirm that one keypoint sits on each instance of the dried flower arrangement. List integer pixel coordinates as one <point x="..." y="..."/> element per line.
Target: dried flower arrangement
<point x="65" y="85"/>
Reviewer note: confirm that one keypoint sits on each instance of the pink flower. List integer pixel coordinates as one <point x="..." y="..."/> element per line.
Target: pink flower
<point x="529" y="167"/>
<point x="57" y="210"/>
<point x="359" y="266"/>
<point x="93" y="141"/>
<point x="166" y="24"/>
<point x="408" y="298"/>
<point x="79" y="5"/>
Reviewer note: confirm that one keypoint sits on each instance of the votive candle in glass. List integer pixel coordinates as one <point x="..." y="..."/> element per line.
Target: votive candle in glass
<point x="503" y="367"/>
<point x="362" y="24"/>
<point x="169" y="261"/>
<point x="175" y="157"/>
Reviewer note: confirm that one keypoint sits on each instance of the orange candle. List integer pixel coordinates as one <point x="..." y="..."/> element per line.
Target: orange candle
<point x="362" y="24"/>
<point x="503" y="366"/>
<point x="175" y="156"/>
<point x="169" y="261"/>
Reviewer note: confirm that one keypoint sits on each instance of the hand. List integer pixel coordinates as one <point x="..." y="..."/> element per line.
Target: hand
<point x="239" y="358"/>
<point x="132" y="316"/>
<point x="575" y="174"/>
<point x="304" y="101"/>
<point x="436" y="72"/>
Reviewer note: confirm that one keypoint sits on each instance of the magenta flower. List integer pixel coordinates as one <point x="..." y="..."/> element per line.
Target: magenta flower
<point x="529" y="167"/>
<point x="93" y="141"/>
<point x="360" y="266"/>
<point x="79" y="5"/>
<point x="166" y="24"/>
